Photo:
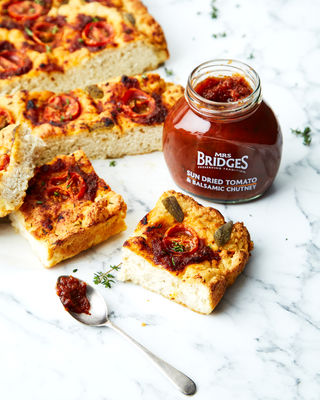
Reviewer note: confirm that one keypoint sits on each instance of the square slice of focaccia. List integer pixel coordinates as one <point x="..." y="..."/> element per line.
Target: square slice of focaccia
<point x="18" y="154"/>
<point x="68" y="209"/>
<point x="120" y="117"/>
<point x="60" y="45"/>
<point x="186" y="252"/>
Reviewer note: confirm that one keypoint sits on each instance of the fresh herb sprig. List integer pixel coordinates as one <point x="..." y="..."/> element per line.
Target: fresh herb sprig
<point x="168" y="71"/>
<point x="106" y="278"/>
<point x="214" y="10"/>
<point x="306" y="134"/>
<point x="28" y="31"/>
<point x="178" y="247"/>
<point x="219" y="35"/>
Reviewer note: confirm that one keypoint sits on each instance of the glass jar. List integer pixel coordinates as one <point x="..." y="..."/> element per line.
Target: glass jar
<point x="227" y="152"/>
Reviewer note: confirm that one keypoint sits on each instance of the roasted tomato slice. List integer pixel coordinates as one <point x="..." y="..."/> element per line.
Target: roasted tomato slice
<point x="58" y="180"/>
<point x="57" y="193"/>
<point x="25" y="10"/>
<point x="5" y="118"/>
<point x="10" y="61"/>
<point x="180" y="240"/>
<point x="76" y="185"/>
<point x="137" y="103"/>
<point x="97" y="33"/>
<point x="45" y="32"/>
<point x="68" y="184"/>
<point x="61" y="108"/>
<point x="4" y="161"/>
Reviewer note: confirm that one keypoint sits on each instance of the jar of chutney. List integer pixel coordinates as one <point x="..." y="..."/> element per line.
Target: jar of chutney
<point x="221" y="140"/>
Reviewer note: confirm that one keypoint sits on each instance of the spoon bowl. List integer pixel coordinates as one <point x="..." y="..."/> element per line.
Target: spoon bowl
<point x="98" y="308"/>
<point x="99" y="317"/>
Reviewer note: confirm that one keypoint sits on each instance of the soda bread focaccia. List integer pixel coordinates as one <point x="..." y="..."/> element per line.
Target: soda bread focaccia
<point x="68" y="209"/>
<point x="60" y="45"/>
<point x="189" y="255"/>
<point x="122" y="116"/>
<point x="18" y="154"/>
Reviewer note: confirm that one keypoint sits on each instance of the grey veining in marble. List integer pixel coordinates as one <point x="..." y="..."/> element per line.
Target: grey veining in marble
<point x="263" y="340"/>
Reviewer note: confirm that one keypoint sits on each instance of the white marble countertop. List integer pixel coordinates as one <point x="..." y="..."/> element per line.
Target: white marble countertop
<point x="262" y="341"/>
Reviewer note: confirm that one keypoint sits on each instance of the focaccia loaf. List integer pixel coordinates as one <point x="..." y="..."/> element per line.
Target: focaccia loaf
<point x="68" y="209"/>
<point x="19" y="151"/>
<point x="62" y="45"/>
<point x="185" y="260"/>
<point x="112" y="119"/>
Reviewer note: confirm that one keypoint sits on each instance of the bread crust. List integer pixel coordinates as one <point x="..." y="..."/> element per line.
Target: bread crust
<point x="103" y="129"/>
<point x="59" y="226"/>
<point x="20" y="150"/>
<point x="135" y="33"/>
<point x="213" y="275"/>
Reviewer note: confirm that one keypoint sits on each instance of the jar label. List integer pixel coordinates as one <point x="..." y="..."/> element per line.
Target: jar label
<point x="224" y="172"/>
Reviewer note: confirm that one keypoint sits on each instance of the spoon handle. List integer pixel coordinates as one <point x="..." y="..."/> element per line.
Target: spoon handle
<point x="180" y="380"/>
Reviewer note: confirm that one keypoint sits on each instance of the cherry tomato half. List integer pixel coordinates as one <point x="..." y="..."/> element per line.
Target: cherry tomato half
<point x="5" y="118"/>
<point x="57" y="193"/>
<point x="181" y="240"/>
<point x="137" y="103"/>
<point x="58" y="180"/>
<point x="61" y="108"/>
<point x="67" y="185"/>
<point x="25" y="10"/>
<point x="76" y="185"/>
<point x="10" y="61"/>
<point x="4" y="161"/>
<point x="45" y="32"/>
<point x="97" y="33"/>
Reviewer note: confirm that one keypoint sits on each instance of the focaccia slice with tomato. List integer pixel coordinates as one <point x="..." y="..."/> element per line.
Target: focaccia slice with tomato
<point x="123" y="116"/>
<point x="18" y="154"/>
<point x="61" y="45"/>
<point x="178" y="253"/>
<point x="68" y="209"/>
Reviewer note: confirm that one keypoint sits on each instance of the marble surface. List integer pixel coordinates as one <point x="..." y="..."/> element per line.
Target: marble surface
<point x="262" y="342"/>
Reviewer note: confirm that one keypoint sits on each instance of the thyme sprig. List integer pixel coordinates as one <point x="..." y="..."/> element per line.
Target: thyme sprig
<point x="214" y="10"/>
<point x="306" y="134"/>
<point x="178" y="247"/>
<point x="106" y="278"/>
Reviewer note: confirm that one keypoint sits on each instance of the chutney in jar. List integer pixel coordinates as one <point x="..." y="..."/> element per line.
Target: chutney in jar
<point x="221" y="141"/>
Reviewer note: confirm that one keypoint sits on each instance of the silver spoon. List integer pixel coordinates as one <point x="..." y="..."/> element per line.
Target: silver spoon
<point x="99" y="317"/>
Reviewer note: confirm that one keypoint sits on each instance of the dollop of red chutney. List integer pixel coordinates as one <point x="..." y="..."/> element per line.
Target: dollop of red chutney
<point x="72" y="293"/>
<point x="224" y="89"/>
<point x="174" y="262"/>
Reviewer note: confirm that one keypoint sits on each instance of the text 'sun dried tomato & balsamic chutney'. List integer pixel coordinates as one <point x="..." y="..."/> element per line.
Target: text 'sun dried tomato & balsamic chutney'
<point x="221" y="141"/>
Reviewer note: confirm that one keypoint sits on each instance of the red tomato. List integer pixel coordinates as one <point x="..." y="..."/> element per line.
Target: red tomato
<point x="181" y="240"/>
<point x="58" y="180"/>
<point x="57" y="193"/>
<point x="4" y="161"/>
<point x="97" y="33"/>
<point x="25" y="10"/>
<point x="68" y="184"/>
<point x="61" y="108"/>
<point x="44" y="32"/>
<point x="137" y="103"/>
<point x="5" y="118"/>
<point x="10" y="61"/>
<point x="76" y="185"/>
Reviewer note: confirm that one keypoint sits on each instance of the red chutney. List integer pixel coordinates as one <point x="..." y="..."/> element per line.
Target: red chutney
<point x="221" y="141"/>
<point x="72" y="293"/>
<point x="224" y="89"/>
